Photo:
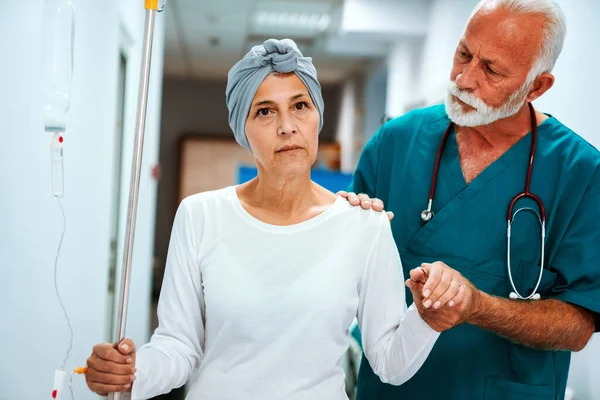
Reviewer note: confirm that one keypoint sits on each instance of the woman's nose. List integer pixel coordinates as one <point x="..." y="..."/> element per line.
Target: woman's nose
<point x="287" y="125"/>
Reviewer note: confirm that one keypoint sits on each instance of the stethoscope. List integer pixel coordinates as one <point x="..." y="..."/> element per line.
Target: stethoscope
<point x="427" y="214"/>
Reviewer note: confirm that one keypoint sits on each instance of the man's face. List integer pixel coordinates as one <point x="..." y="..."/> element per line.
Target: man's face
<point x="491" y="65"/>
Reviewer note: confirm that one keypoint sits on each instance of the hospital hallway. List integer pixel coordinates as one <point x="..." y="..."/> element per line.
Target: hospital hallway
<point x="66" y="176"/>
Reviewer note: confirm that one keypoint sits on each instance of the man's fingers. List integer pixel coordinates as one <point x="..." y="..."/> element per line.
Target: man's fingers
<point x="353" y="199"/>
<point x="377" y="205"/>
<point x="365" y="201"/>
<point x="460" y="296"/>
<point x="448" y="295"/>
<point x="390" y="215"/>
<point x="440" y="289"/>
<point x="363" y="197"/>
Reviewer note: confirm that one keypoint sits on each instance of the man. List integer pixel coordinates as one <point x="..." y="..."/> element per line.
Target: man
<point x="500" y="347"/>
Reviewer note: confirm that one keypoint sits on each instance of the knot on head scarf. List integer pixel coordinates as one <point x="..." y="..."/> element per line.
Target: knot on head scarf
<point x="243" y="80"/>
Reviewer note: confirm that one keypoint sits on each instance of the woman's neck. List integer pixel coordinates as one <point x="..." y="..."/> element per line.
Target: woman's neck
<point x="280" y="201"/>
<point x="287" y="196"/>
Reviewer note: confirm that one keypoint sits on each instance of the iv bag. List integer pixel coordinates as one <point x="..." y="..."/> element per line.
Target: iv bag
<point x="57" y="62"/>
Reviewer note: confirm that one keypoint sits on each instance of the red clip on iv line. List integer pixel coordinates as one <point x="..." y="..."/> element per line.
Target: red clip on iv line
<point x="61" y="383"/>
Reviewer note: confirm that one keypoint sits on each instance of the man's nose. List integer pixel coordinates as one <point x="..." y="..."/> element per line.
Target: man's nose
<point x="468" y="78"/>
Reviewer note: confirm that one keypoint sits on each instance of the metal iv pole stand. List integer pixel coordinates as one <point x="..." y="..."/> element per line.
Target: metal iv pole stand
<point x="151" y="10"/>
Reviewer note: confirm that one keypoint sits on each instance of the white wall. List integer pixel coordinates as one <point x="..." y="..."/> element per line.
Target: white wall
<point x="446" y="24"/>
<point x="384" y="18"/>
<point x="403" y="72"/>
<point x="348" y="124"/>
<point x="375" y="91"/>
<point x="34" y="334"/>
<point x="574" y="97"/>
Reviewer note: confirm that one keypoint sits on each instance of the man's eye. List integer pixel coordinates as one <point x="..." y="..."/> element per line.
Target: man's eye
<point x="491" y="70"/>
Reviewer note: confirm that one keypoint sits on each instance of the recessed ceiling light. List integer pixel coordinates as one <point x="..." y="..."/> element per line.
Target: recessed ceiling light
<point x="298" y="20"/>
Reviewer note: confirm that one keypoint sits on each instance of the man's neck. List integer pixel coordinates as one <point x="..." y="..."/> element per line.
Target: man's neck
<point x="480" y="146"/>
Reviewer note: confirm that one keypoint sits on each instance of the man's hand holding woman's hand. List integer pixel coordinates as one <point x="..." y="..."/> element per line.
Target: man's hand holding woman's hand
<point x="442" y="295"/>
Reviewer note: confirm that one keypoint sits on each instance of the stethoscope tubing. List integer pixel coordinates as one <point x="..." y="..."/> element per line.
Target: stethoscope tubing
<point x="427" y="214"/>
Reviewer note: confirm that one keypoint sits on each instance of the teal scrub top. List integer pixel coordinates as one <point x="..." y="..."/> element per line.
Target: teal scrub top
<point x="468" y="232"/>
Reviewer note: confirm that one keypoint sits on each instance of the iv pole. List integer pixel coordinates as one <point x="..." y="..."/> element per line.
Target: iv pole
<point x="151" y="10"/>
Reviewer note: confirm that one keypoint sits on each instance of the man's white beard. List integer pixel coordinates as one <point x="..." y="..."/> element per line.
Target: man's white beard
<point x="482" y="113"/>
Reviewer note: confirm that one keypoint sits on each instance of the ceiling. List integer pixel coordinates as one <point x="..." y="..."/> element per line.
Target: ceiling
<point x="205" y="38"/>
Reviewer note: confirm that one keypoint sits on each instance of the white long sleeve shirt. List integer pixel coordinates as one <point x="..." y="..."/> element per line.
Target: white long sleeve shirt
<point x="256" y="311"/>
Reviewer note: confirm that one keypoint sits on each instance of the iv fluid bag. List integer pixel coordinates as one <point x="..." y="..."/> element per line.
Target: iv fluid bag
<point x="57" y="61"/>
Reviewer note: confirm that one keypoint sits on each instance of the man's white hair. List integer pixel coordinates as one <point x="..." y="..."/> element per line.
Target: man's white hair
<point x="555" y="28"/>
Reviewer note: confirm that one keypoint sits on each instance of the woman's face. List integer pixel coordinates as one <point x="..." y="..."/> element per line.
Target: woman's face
<point x="282" y="126"/>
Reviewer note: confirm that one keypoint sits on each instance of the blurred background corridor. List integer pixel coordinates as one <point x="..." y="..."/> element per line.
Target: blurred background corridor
<point x="376" y="59"/>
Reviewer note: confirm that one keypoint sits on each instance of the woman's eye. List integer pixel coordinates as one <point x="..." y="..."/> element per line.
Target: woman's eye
<point x="301" y="106"/>
<point x="263" y="112"/>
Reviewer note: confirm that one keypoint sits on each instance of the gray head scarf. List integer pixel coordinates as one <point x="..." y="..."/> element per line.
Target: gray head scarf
<point x="246" y="76"/>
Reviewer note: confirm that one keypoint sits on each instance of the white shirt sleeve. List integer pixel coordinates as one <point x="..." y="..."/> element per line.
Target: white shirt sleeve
<point x="395" y="339"/>
<point x="177" y="346"/>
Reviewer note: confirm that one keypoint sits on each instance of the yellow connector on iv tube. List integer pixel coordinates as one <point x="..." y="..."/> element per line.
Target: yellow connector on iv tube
<point x="80" y="370"/>
<point x="152" y="5"/>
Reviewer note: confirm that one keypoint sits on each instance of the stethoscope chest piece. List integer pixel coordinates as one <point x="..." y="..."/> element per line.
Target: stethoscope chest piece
<point x="426" y="215"/>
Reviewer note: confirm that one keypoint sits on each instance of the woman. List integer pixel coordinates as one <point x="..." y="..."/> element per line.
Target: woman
<point x="262" y="280"/>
